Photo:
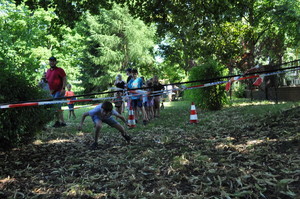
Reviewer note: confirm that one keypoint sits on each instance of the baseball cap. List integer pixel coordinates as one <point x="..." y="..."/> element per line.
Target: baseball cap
<point x="52" y="58"/>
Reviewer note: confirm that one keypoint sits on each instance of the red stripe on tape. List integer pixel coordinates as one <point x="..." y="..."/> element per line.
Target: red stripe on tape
<point x="250" y="77"/>
<point x="197" y="86"/>
<point x="25" y="104"/>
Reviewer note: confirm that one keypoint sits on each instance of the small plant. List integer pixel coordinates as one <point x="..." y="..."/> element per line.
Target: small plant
<point x="239" y="90"/>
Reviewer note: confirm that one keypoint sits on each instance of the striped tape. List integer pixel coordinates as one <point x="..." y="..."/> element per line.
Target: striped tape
<point x="140" y="92"/>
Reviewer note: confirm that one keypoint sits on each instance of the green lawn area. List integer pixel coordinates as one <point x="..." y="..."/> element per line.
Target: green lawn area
<point x="246" y="150"/>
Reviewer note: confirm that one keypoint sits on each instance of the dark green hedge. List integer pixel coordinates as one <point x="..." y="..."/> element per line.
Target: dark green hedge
<point x="20" y="125"/>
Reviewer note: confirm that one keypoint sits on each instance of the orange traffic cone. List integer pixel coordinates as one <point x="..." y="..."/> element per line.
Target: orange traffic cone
<point x="193" y="115"/>
<point x="131" y="119"/>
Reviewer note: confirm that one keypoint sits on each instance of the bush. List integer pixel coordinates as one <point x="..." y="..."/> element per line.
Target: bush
<point x="208" y="98"/>
<point x="239" y="90"/>
<point x="20" y="125"/>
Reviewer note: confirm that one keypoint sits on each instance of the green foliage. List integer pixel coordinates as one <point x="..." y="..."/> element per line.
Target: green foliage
<point x="24" y="40"/>
<point x="239" y="90"/>
<point x="27" y="40"/>
<point x="172" y="72"/>
<point x="19" y="125"/>
<point x="115" y="41"/>
<point x="209" y="98"/>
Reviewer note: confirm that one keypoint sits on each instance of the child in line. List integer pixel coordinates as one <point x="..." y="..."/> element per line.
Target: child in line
<point x="136" y="100"/>
<point x="150" y="100"/>
<point x="70" y="94"/>
<point x="103" y="113"/>
<point x="157" y="86"/>
<point x="118" y="101"/>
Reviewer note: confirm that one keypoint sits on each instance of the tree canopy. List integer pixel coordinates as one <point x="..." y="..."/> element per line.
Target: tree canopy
<point x="94" y="36"/>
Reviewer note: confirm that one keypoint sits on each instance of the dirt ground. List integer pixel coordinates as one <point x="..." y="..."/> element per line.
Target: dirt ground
<point x="246" y="160"/>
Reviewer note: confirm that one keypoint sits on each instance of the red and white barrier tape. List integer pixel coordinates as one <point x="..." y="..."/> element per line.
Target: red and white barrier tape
<point x="138" y="92"/>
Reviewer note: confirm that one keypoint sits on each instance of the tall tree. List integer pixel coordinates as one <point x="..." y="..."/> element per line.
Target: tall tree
<point x="115" y="41"/>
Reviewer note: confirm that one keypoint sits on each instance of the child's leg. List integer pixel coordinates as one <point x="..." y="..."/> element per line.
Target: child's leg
<point x="70" y="109"/>
<point x="145" y="118"/>
<point x="73" y="113"/>
<point x="156" y="106"/>
<point x="98" y="126"/>
<point x="121" y="129"/>
<point x="134" y="105"/>
<point x="123" y="107"/>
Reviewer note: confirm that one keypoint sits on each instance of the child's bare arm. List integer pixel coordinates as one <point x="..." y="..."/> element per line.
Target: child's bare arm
<point x="82" y="120"/>
<point x="121" y="117"/>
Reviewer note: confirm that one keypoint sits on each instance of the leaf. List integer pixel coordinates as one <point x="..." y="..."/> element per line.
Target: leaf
<point x="289" y="193"/>
<point x="285" y="181"/>
<point x="242" y="193"/>
<point x="239" y="181"/>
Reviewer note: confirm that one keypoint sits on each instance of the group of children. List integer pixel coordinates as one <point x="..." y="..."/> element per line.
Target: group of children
<point x="142" y="96"/>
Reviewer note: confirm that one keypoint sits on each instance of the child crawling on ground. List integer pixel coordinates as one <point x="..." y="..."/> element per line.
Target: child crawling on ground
<point x="103" y="113"/>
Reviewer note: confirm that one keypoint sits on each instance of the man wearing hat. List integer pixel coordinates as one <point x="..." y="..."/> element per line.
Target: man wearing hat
<point x="57" y="81"/>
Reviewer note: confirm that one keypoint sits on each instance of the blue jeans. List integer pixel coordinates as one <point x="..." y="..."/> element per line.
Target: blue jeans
<point x="56" y="95"/>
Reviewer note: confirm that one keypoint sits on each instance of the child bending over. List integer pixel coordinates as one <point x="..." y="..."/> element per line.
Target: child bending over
<point x="103" y="113"/>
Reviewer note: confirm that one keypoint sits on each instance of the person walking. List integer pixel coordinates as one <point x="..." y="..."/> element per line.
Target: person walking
<point x="57" y="81"/>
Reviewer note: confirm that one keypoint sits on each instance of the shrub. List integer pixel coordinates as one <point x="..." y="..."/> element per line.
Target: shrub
<point x="209" y="98"/>
<point x="20" y="125"/>
<point x="239" y="90"/>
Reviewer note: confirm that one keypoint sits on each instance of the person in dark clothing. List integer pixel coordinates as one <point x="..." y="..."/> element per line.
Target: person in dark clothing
<point x="157" y="86"/>
<point x="118" y="100"/>
<point x="129" y="74"/>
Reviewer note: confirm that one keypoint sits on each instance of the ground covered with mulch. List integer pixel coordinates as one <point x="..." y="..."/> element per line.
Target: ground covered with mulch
<point x="232" y="153"/>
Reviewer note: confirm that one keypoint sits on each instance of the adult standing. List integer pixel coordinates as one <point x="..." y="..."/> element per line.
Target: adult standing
<point x="57" y="81"/>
